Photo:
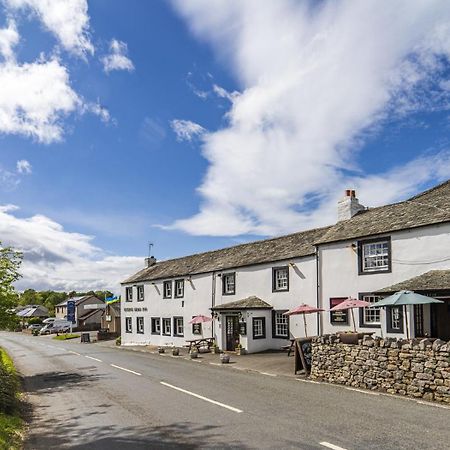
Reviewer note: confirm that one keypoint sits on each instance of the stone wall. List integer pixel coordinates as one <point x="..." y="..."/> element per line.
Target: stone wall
<point x="416" y="368"/>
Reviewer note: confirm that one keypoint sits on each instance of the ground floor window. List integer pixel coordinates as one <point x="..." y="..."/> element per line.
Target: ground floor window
<point x="128" y="325"/>
<point x="156" y="325"/>
<point x="259" y="327"/>
<point x="166" y="327"/>
<point x="196" y="328"/>
<point x="394" y="323"/>
<point x="178" y="326"/>
<point x="280" y="324"/>
<point x="140" y="325"/>
<point x="370" y="317"/>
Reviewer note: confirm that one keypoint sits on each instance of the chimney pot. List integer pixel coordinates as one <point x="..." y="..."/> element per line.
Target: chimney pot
<point x="349" y="205"/>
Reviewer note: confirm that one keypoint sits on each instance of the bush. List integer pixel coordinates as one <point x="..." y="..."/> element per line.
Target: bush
<point x="9" y="384"/>
<point x="119" y="341"/>
<point x="35" y="320"/>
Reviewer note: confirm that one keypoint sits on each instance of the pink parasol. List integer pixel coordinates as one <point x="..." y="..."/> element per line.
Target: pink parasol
<point x="351" y="303"/>
<point x="200" y="319"/>
<point x="303" y="309"/>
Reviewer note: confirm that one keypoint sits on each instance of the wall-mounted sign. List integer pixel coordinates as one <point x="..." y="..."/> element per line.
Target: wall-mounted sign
<point x="338" y="317"/>
<point x="196" y="328"/>
<point x="243" y="328"/>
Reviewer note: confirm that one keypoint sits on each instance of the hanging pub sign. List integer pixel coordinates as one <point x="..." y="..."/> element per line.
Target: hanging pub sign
<point x="243" y="328"/>
<point x="196" y="328"/>
<point x="338" y="317"/>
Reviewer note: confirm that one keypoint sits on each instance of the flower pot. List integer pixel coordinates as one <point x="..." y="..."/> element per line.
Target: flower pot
<point x="193" y="355"/>
<point x="350" y="338"/>
<point x="161" y="350"/>
<point x="175" y="351"/>
<point x="224" y="358"/>
<point x="216" y="350"/>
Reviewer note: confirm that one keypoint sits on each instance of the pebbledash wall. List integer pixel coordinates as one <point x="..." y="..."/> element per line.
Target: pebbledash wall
<point x="415" y="368"/>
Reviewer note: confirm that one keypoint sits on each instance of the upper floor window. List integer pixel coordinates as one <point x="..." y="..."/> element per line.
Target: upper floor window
<point x="179" y="288"/>
<point x="228" y="283"/>
<point x="370" y="317"/>
<point x="167" y="289"/>
<point x="129" y="294"/>
<point x="140" y="325"/>
<point x="140" y="293"/>
<point x="280" y="279"/>
<point x="128" y="325"/>
<point x="374" y="256"/>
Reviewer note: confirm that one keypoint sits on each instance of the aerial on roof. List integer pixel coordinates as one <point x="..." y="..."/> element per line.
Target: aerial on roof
<point x="251" y="302"/>
<point x="434" y="280"/>
<point x="275" y="249"/>
<point x="429" y="207"/>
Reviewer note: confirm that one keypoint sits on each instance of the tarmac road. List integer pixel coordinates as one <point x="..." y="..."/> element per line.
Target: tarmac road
<point x="87" y="396"/>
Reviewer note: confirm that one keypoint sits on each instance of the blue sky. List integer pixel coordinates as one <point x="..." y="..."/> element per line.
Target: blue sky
<point x="198" y="127"/>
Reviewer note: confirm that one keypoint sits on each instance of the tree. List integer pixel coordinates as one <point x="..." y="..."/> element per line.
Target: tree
<point x="10" y="261"/>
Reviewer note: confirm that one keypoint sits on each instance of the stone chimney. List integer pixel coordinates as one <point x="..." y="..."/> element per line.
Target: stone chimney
<point x="349" y="205"/>
<point x="150" y="261"/>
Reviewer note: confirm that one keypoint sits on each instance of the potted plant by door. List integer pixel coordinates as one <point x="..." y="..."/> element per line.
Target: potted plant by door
<point x="240" y="350"/>
<point x="215" y="349"/>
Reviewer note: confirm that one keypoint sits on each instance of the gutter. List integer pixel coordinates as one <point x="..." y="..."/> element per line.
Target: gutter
<point x="319" y="316"/>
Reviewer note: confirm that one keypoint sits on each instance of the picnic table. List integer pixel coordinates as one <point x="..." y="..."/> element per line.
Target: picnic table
<point x="289" y="347"/>
<point x="203" y="342"/>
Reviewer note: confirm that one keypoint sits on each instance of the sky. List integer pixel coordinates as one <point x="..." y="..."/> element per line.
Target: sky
<point x="197" y="127"/>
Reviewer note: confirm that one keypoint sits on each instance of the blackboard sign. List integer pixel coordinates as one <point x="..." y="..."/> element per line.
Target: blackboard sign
<point x="196" y="328"/>
<point x="243" y="328"/>
<point x="303" y="354"/>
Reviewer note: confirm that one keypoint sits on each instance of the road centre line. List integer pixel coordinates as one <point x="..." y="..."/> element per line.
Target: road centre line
<point x="126" y="370"/>
<point x="91" y="357"/>
<point x="206" y="399"/>
<point x="332" y="446"/>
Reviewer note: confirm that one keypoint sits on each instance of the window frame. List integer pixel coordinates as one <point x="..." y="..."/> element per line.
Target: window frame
<point x="128" y="321"/>
<point x="362" y="311"/>
<point x="129" y="294"/>
<point x="389" y="325"/>
<point x="165" y="320"/>
<point x="175" y="324"/>
<point x="274" y="279"/>
<point x="362" y="243"/>
<point x="175" y="294"/>
<point x="140" y="288"/>
<point x="167" y="283"/>
<point x="224" y="285"/>
<point x="263" y="322"/>
<point x="275" y="335"/>
<point x="138" y="328"/>
<point x="155" y="323"/>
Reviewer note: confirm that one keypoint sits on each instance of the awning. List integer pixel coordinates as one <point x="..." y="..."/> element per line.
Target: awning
<point x="252" y="302"/>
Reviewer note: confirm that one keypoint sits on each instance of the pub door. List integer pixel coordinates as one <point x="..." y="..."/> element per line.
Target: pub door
<point x="440" y="320"/>
<point x="232" y="332"/>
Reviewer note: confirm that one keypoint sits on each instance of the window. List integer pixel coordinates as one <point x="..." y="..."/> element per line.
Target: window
<point x="179" y="288"/>
<point x="369" y="317"/>
<point x="394" y="316"/>
<point x="280" y="325"/>
<point x="166" y="328"/>
<point x="280" y="279"/>
<point x="374" y="256"/>
<point x="178" y="326"/>
<point x="259" y="327"/>
<point x="140" y="293"/>
<point x="167" y="289"/>
<point x="196" y="328"/>
<point x="228" y="283"/>
<point x="156" y="325"/>
<point x="129" y="294"/>
<point x="140" y="325"/>
<point x="128" y="325"/>
<point x="338" y="317"/>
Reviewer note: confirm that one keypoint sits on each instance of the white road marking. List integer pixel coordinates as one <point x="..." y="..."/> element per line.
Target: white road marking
<point x="268" y="374"/>
<point x="308" y="381"/>
<point x="91" y="357"/>
<point x="214" y="402"/>
<point x="436" y="405"/>
<point x="362" y="391"/>
<point x="216" y="364"/>
<point x="75" y="353"/>
<point x="332" y="446"/>
<point x="126" y="370"/>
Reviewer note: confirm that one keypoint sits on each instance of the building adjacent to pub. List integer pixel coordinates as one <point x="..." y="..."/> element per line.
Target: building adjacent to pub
<point x="246" y="289"/>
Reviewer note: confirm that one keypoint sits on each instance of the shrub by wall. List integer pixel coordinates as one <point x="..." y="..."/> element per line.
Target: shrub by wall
<point x="416" y="368"/>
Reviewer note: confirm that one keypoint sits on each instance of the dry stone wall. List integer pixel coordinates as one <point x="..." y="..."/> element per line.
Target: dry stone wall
<point x="416" y="368"/>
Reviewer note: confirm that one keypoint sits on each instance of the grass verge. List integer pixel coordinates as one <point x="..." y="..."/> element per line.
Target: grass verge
<point x="64" y="337"/>
<point x="11" y="423"/>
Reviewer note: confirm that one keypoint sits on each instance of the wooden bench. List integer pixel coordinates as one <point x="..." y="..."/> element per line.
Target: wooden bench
<point x="203" y="342"/>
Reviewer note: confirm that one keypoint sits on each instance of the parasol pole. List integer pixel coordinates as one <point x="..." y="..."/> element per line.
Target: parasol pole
<point x="406" y="320"/>
<point x="304" y="322"/>
<point x="353" y="319"/>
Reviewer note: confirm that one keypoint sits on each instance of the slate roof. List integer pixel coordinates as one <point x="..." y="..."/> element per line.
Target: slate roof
<point x="434" y="280"/>
<point x="268" y="250"/>
<point x="78" y="300"/>
<point x="252" y="302"/>
<point x="429" y="207"/>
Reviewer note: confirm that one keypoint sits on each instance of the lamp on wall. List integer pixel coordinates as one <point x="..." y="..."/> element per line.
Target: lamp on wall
<point x="292" y="264"/>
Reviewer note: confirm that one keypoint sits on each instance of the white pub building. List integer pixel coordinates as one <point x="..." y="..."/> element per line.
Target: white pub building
<point x="369" y="253"/>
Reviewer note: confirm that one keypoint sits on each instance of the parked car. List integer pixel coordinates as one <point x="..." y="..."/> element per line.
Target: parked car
<point x="58" y="326"/>
<point x="49" y="320"/>
<point x="35" y="326"/>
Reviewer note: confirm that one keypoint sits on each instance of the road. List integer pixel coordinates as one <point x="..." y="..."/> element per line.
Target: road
<point x="87" y="396"/>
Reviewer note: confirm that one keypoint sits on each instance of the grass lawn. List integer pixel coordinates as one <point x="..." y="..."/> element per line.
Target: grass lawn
<point x="64" y="337"/>
<point x="11" y="424"/>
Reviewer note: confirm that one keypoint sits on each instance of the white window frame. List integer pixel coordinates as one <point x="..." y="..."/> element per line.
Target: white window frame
<point x="178" y="326"/>
<point x="281" y="322"/>
<point x="166" y="321"/>
<point x="229" y="283"/>
<point x="179" y="288"/>
<point x="157" y="322"/>
<point x="167" y="289"/>
<point x="259" y="328"/>
<point x="396" y="318"/>
<point x="140" y="293"/>
<point x="128" y="324"/>
<point x="129" y="294"/>
<point x="280" y="283"/>
<point x="375" y="256"/>
<point x="140" y="325"/>
<point x="371" y="316"/>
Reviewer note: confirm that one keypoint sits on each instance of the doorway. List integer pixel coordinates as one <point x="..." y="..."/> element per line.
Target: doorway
<point x="440" y="320"/>
<point x="232" y="332"/>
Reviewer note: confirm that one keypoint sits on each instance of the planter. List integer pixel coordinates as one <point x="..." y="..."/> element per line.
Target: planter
<point x="224" y="358"/>
<point x="241" y="351"/>
<point x="350" y="338"/>
<point x="161" y="350"/>
<point x="216" y="350"/>
<point x="193" y="355"/>
<point x="175" y="351"/>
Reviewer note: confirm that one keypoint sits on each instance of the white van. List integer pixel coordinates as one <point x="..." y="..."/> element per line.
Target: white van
<point x="49" y="320"/>
<point x="57" y="326"/>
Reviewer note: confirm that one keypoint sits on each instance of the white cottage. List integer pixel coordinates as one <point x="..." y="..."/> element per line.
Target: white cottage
<point x="367" y="254"/>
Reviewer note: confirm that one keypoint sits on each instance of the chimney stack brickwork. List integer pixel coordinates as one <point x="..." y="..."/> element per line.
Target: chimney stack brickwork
<point x="349" y="205"/>
<point x="150" y="261"/>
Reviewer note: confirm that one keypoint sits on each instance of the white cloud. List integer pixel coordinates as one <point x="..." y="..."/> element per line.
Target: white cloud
<point x="314" y="78"/>
<point x="9" y="37"/>
<point x="8" y="180"/>
<point x="117" y="59"/>
<point x="68" y="20"/>
<point x="58" y="259"/>
<point x="34" y="98"/>
<point x="223" y="93"/>
<point x="23" y="166"/>
<point x="186" y="130"/>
